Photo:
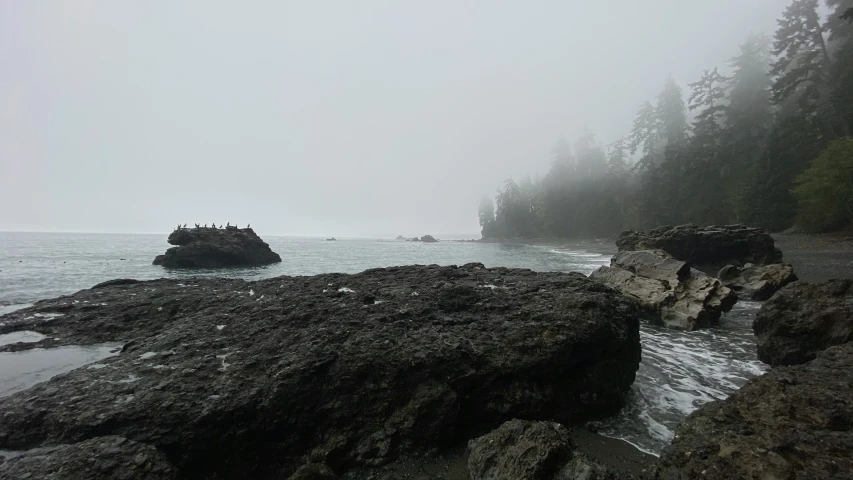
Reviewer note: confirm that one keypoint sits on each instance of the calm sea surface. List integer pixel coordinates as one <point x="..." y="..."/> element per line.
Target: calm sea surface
<point x="679" y="372"/>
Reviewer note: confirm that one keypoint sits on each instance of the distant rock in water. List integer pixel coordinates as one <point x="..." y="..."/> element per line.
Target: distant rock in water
<point x="706" y="247"/>
<point x="428" y="239"/>
<point x="333" y="239"/>
<point x="214" y="247"/>
<point x="793" y="423"/>
<point x="675" y="294"/>
<point x="234" y="379"/>
<point x="400" y="237"/>
<point x="802" y="320"/>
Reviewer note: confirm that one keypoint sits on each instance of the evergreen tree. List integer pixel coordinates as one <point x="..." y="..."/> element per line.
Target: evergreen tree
<point x="672" y="114"/>
<point x="645" y="134"/>
<point x="705" y="157"/>
<point x="486" y="215"/>
<point x="805" y="69"/>
<point x="590" y="157"/>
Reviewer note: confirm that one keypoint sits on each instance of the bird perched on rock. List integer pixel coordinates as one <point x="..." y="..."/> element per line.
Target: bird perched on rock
<point x="185" y="225"/>
<point x="212" y="225"/>
<point x="205" y="225"/>
<point x="228" y="224"/>
<point x="196" y="225"/>
<point x="249" y="226"/>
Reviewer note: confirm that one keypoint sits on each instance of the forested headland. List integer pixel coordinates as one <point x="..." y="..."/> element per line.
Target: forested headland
<point x="764" y="141"/>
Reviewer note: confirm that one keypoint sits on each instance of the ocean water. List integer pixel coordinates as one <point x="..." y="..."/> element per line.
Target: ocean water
<point x="680" y="370"/>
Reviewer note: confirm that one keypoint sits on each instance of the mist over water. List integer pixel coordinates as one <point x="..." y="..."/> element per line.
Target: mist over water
<point x="680" y="371"/>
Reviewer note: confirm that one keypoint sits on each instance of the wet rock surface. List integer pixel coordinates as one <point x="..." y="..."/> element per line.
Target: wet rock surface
<point x="313" y="471"/>
<point x="792" y="423"/>
<point x="520" y="449"/>
<point x="100" y="458"/>
<point x="246" y="379"/>
<point x="803" y="319"/>
<point x="757" y="282"/>
<point x="216" y="247"/>
<point x="706" y="247"/>
<point x="668" y="289"/>
<point x="531" y="450"/>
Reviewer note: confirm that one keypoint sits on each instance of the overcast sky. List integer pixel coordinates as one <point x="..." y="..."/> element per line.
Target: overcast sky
<point x="311" y="117"/>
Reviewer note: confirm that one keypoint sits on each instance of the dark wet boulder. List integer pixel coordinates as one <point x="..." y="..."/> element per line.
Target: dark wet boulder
<point x="531" y="450"/>
<point x="100" y="458"/>
<point x="793" y="423"/>
<point x="706" y="247"/>
<point x="216" y="247"/>
<point x="428" y="239"/>
<point x="668" y="290"/>
<point x="803" y="319"/>
<point x="757" y="282"/>
<point x="245" y="379"/>
<point x="313" y="471"/>
<point x="520" y="449"/>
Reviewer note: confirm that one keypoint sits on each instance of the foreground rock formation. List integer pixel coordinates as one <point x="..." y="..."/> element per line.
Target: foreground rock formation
<point x="792" y="423"/>
<point x="100" y="458"/>
<point x="671" y="291"/>
<point x="803" y="319"/>
<point x="706" y="247"/>
<point x="237" y="379"/>
<point x="521" y="449"/>
<point x="216" y="247"/>
<point x="757" y="282"/>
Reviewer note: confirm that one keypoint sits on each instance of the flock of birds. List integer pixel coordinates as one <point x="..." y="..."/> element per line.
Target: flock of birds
<point x="212" y="225"/>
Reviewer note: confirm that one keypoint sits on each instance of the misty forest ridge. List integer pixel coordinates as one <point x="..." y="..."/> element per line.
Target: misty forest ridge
<point x="765" y="140"/>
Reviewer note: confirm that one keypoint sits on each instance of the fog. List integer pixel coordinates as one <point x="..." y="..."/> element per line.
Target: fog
<point x="343" y="118"/>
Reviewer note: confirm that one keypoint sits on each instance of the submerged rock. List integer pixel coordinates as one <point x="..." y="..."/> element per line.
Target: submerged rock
<point x="668" y="289"/>
<point x="706" y="247"/>
<point x="100" y="458"/>
<point x="243" y="379"/>
<point x="214" y="248"/>
<point x="803" y="319"/>
<point x="792" y="423"/>
<point x="530" y="450"/>
<point x="757" y="282"/>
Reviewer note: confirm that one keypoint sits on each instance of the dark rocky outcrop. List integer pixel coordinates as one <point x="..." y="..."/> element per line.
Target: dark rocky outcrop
<point x="99" y="458"/>
<point x="792" y="423"/>
<point x="521" y="449"/>
<point x="313" y="471"/>
<point x="757" y="282"/>
<point x="214" y="248"/>
<point x="247" y="379"/>
<point x="400" y="237"/>
<point x="706" y="247"/>
<point x="803" y="319"/>
<point x="668" y="289"/>
<point x="428" y="239"/>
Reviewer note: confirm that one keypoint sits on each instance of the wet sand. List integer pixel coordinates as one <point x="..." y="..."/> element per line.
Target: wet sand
<point x="817" y="258"/>
<point x="616" y="454"/>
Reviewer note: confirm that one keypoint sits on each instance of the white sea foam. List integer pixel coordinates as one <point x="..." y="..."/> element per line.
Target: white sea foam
<point x="682" y="371"/>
